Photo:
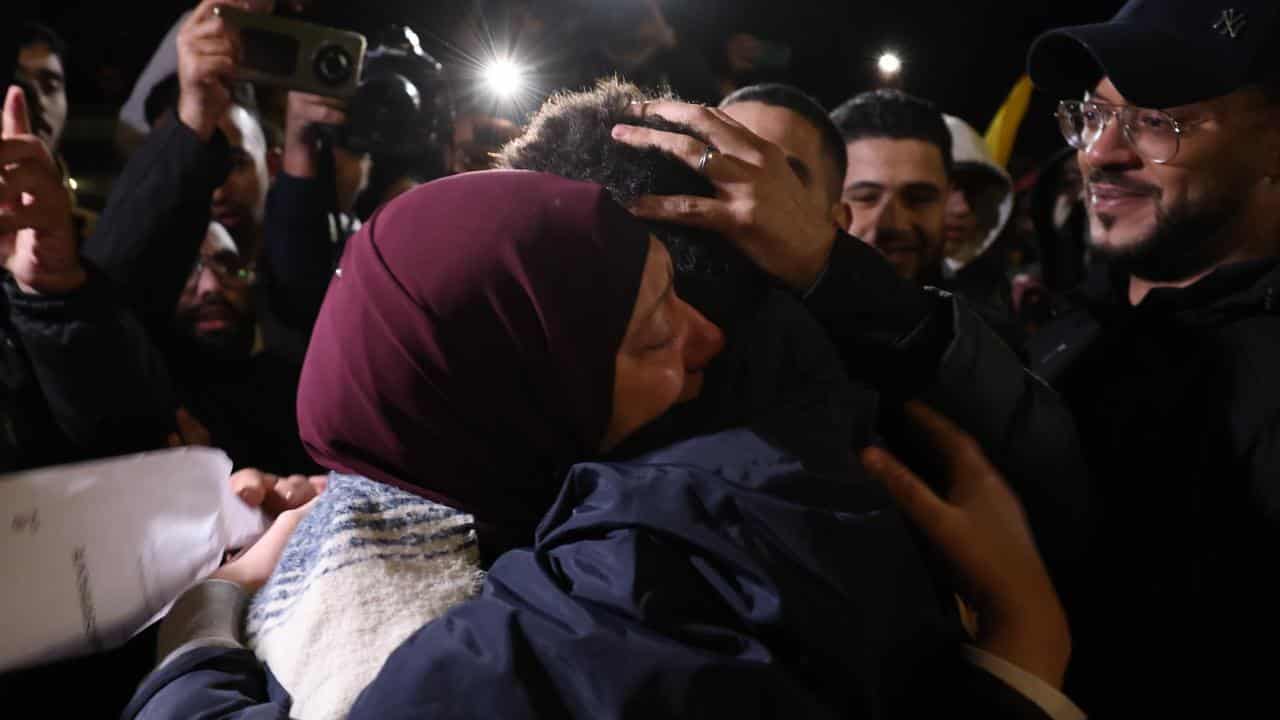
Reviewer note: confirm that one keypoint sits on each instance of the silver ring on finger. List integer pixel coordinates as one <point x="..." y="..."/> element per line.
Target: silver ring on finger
<point x="707" y="154"/>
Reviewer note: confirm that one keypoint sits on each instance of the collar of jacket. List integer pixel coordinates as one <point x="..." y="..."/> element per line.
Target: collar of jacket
<point x="1244" y="288"/>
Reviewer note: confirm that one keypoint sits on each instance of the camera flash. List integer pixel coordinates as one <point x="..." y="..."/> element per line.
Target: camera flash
<point x="504" y="78"/>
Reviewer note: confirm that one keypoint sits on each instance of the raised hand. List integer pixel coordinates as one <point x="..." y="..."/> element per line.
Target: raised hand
<point x="978" y="524"/>
<point x="37" y="240"/>
<point x="208" y="55"/>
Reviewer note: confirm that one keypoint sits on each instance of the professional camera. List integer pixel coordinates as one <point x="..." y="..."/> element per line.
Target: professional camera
<point x="398" y="100"/>
<point x="403" y="105"/>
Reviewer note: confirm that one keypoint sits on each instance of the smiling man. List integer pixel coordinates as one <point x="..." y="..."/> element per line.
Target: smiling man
<point x="899" y="166"/>
<point x="1169" y="361"/>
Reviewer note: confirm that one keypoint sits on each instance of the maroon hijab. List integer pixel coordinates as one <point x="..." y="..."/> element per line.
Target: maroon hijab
<point x="465" y="349"/>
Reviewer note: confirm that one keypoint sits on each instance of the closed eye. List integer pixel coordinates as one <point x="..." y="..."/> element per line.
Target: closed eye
<point x="801" y="170"/>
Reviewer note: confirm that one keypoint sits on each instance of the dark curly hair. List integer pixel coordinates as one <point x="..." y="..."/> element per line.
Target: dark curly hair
<point x="570" y="136"/>
<point x="889" y="113"/>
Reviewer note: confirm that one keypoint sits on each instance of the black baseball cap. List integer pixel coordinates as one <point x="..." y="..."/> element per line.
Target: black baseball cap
<point x="1163" y="53"/>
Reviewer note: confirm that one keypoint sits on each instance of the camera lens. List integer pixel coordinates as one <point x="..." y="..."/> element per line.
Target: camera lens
<point x="333" y="65"/>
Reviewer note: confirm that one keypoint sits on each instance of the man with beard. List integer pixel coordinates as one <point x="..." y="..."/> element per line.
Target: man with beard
<point x="904" y="173"/>
<point x="244" y="401"/>
<point x="1169" y="360"/>
<point x="205" y="157"/>
<point x="214" y="311"/>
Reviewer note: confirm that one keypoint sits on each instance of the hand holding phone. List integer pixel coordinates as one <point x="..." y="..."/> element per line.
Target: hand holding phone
<point x="208" y="56"/>
<point x="296" y="55"/>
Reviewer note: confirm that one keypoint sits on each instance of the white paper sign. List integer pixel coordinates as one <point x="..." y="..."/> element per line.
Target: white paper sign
<point x="91" y="553"/>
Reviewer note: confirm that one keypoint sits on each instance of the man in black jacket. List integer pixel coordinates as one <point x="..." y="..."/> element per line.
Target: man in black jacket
<point x="149" y="240"/>
<point x="61" y="334"/>
<point x="79" y="378"/>
<point x="1169" y="359"/>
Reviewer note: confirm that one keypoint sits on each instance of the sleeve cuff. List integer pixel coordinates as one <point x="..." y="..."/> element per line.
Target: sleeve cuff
<point x="207" y="615"/>
<point x="297" y="189"/>
<point x="1046" y="697"/>
<point x="92" y="296"/>
<point x="212" y="156"/>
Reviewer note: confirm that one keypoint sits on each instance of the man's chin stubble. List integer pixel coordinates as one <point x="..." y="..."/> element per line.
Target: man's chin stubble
<point x="1177" y="247"/>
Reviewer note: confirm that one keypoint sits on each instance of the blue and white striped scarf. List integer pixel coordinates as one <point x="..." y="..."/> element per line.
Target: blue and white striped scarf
<point x="365" y="569"/>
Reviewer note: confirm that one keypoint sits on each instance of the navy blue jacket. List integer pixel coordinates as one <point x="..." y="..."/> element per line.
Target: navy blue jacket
<point x="718" y="577"/>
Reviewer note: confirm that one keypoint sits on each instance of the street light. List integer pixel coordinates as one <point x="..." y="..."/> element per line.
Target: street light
<point x="890" y="64"/>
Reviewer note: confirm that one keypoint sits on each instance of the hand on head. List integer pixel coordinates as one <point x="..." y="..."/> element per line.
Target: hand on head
<point x="37" y="242"/>
<point x="761" y="206"/>
<point x="979" y="525"/>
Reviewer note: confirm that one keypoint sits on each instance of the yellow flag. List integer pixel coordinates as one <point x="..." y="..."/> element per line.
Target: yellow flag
<point x="1003" y="131"/>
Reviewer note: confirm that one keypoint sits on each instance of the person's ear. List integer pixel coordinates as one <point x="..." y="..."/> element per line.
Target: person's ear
<point x="842" y="215"/>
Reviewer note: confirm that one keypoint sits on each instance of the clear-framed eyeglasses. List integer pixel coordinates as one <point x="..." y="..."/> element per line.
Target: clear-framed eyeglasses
<point x="1153" y="134"/>
<point x="227" y="267"/>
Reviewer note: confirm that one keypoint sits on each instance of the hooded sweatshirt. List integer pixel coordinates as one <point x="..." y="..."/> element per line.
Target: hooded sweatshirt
<point x="969" y="153"/>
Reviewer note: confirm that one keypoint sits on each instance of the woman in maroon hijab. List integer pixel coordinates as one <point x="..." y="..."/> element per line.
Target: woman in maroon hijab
<point x="488" y="330"/>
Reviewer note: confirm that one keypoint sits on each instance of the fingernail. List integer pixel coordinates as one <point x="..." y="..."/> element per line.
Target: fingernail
<point x="620" y="131"/>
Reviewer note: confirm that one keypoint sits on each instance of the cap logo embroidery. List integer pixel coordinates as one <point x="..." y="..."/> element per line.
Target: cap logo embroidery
<point x="1231" y="23"/>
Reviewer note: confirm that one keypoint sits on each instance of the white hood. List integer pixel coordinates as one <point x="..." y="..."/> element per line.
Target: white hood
<point x="969" y="150"/>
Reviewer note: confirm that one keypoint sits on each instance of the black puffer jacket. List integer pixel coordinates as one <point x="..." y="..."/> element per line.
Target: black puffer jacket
<point x="79" y="378"/>
<point x="912" y="342"/>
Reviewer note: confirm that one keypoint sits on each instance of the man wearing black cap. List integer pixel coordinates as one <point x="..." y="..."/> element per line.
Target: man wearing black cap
<point x="1169" y="362"/>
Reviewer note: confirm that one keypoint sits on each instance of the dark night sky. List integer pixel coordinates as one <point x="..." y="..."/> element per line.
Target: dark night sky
<point x="963" y="55"/>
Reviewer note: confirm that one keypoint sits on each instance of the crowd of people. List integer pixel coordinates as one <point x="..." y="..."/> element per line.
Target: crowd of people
<point x="644" y="407"/>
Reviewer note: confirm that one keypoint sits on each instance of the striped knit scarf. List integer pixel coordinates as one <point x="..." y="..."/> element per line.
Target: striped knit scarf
<point x="367" y="567"/>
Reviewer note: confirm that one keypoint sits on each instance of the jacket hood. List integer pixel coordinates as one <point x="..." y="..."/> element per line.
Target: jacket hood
<point x="969" y="152"/>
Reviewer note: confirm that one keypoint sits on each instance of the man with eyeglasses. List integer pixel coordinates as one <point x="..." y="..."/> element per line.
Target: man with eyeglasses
<point x="1170" y="362"/>
<point x="205" y="159"/>
<point x="241" y="401"/>
<point x="214" y="315"/>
